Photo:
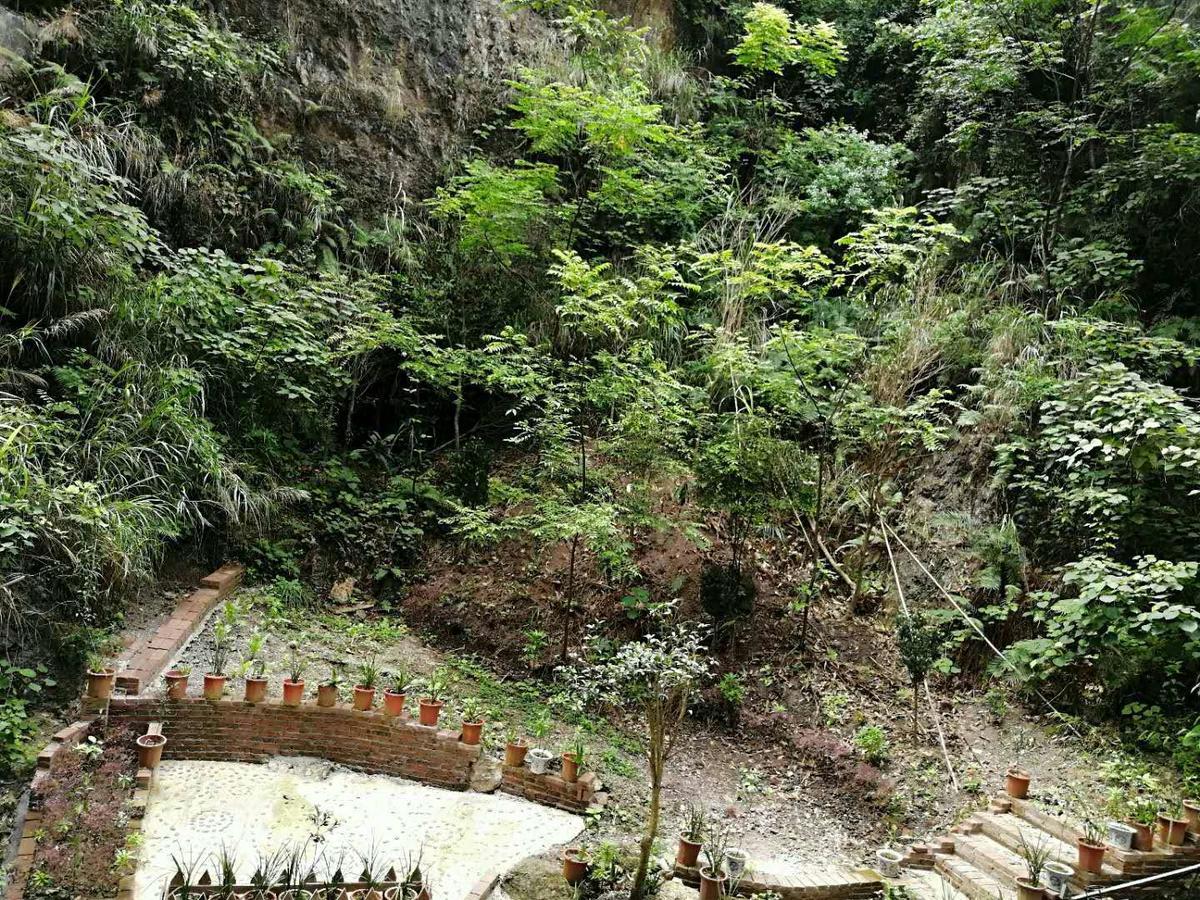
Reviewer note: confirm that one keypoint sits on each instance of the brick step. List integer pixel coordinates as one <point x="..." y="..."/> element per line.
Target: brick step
<point x="990" y="856"/>
<point x="975" y="883"/>
<point x="1007" y="830"/>
<point x="1128" y="862"/>
<point x="930" y="885"/>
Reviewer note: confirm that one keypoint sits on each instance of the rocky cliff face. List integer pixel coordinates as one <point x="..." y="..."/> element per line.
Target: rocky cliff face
<point x="382" y="92"/>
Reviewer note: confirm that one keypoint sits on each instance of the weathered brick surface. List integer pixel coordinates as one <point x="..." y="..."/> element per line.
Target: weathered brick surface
<point x="833" y="883"/>
<point x="551" y="790"/>
<point x="253" y="732"/>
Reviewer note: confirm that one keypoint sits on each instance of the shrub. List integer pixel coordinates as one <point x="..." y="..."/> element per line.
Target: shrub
<point x="726" y="592"/>
<point x="872" y="743"/>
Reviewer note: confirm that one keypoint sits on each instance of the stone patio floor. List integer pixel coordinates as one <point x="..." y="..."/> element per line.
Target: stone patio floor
<point x="196" y="808"/>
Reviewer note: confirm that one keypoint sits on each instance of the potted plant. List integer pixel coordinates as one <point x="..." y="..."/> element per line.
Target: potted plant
<point x="572" y="760"/>
<point x="253" y="670"/>
<point x="714" y="875"/>
<point x="735" y="862"/>
<point x="1035" y="853"/>
<point x="1173" y="825"/>
<point x="150" y="750"/>
<point x="177" y="682"/>
<point x="100" y="678"/>
<point x="412" y="881"/>
<point x="515" y="748"/>
<point x="436" y="686"/>
<point x="1191" y="812"/>
<point x="1016" y="783"/>
<point x="214" y="678"/>
<point x="575" y="864"/>
<point x="539" y="757"/>
<point x="1142" y="816"/>
<point x="1090" y="846"/>
<point x="695" y="822"/>
<point x="396" y="692"/>
<point x="472" y="721"/>
<point x="293" y="685"/>
<point x="327" y="691"/>
<point x="364" y="690"/>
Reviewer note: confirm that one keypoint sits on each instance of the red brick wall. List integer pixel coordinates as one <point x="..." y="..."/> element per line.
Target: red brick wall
<point x="551" y="790"/>
<point x="248" y="732"/>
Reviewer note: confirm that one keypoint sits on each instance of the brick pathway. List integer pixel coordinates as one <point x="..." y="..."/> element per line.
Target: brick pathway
<point x="145" y="659"/>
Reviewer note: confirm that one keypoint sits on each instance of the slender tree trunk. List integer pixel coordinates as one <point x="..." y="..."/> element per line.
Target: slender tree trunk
<point x="647" y="844"/>
<point x="569" y="609"/>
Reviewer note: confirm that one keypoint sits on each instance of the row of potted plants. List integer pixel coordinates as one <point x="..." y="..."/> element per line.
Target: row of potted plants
<point x="724" y="864"/>
<point x="517" y="753"/>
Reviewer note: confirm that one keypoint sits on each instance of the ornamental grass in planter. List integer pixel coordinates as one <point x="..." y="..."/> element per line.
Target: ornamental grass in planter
<point x="177" y="682"/>
<point x="691" y="837"/>
<point x="364" y="689"/>
<point x="1035" y="854"/>
<point x="214" y="678"/>
<point x="293" y="685"/>
<point x="472" y="721"/>
<point x="436" y="687"/>
<point x="396" y="693"/>
<point x="1173" y="825"/>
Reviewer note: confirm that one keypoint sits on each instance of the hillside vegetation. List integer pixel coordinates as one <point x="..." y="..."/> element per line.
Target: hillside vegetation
<point x="706" y="319"/>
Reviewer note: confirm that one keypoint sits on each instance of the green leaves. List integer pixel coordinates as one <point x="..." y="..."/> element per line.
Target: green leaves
<point x="772" y="42"/>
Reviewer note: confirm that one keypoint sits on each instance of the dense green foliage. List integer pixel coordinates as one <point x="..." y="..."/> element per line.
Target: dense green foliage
<point x="757" y="299"/>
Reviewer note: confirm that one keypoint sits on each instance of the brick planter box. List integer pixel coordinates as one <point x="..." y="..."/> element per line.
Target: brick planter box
<point x="550" y="790"/>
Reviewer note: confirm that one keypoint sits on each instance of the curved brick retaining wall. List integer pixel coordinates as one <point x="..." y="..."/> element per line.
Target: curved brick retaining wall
<point x="254" y="732"/>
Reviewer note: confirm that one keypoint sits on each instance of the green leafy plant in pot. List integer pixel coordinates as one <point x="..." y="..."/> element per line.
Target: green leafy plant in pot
<point x="472" y="721"/>
<point x="572" y="759"/>
<point x="254" y="670"/>
<point x="215" y="677"/>
<point x="396" y="692"/>
<point x="1035" y="853"/>
<point x="327" y="690"/>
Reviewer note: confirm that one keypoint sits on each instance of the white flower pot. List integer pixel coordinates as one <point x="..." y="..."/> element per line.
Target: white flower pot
<point x="1121" y="835"/>
<point x="538" y="760"/>
<point x="889" y="862"/>
<point x="735" y="863"/>
<point x="1055" y="876"/>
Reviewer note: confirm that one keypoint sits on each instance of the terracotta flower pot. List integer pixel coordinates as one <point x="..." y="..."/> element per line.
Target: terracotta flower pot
<point x="471" y="732"/>
<point x="1191" y="812"/>
<point x="214" y="686"/>
<point x="574" y="869"/>
<point x="514" y="753"/>
<point x="570" y="768"/>
<point x="1029" y="890"/>
<point x="688" y="852"/>
<point x="431" y="710"/>
<point x="393" y="704"/>
<point x="150" y="750"/>
<point x="293" y="692"/>
<point x="712" y="885"/>
<point x="1143" y="838"/>
<point x="256" y="690"/>
<point x="177" y="684"/>
<point x="327" y="695"/>
<point x="100" y="683"/>
<point x="1176" y="832"/>
<point x="422" y="894"/>
<point x="364" y="697"/>
<point x="1091" y="856"/>
<point x="1016" y="783"/>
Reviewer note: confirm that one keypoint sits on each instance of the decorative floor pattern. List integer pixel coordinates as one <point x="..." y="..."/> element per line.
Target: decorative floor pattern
<point x="197" y="808"/>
